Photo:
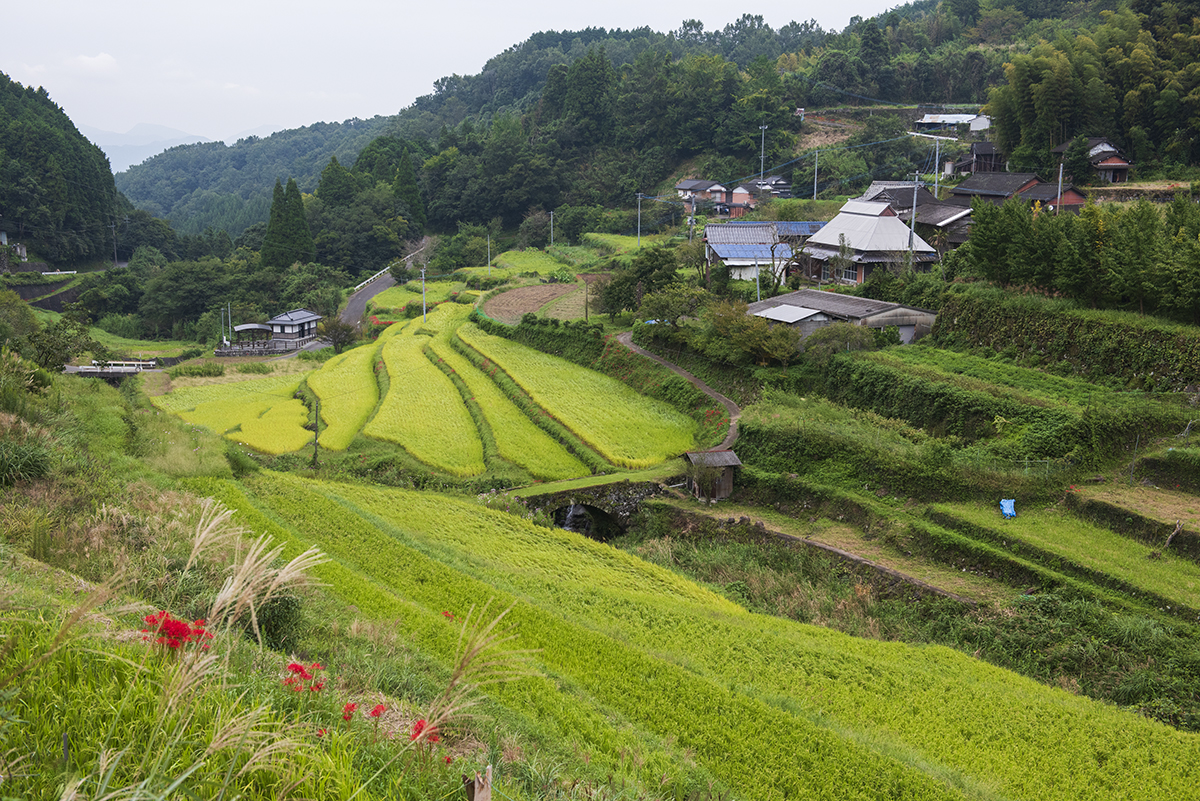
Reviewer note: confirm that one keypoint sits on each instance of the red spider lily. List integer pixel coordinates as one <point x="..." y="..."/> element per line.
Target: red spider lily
<point x="378" y="710"/>
<point x="348" y="711"/>
<point x="175" y="633"/>
<point x="301" y="674"/>
<point x="419" y="728"/>
<point x="448" y="615"/>
<point x="449" y="759"/>
<point x="320" y="732"/>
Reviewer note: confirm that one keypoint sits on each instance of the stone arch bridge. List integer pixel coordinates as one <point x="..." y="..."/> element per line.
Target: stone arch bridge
<point x="609" y="507"/>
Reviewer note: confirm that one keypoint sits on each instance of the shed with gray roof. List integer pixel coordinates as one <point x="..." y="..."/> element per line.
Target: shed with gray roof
<point x="813" y="309"/>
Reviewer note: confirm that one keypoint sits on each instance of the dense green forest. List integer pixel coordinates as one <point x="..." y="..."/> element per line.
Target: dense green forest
<point x="56" y="188"/>
<point x="593" y="117"/>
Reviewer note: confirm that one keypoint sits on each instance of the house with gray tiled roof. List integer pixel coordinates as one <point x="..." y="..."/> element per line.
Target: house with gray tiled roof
<point x="872" y="235"/>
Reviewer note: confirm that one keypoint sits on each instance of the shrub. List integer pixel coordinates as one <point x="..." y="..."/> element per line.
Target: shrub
<point x="197" y="370"/>
<point x="257" y="368"/>
<point x="22" y="461"/>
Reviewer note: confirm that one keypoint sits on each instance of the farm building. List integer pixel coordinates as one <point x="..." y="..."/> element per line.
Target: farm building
<point x="810" y="309"/>
<point x="711" y="473"/>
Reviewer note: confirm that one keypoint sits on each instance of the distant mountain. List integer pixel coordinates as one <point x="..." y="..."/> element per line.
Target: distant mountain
<point x="138" y="144"/>
<point x="229" y="186"/>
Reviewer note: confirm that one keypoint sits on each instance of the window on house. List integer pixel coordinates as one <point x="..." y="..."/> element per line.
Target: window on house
<point x="850" y="273"/>
<point x="825" y="272"/>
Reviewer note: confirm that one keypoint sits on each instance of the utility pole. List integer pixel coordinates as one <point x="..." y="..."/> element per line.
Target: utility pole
<point x="639" y="199"/>
<point x="937" y="165"/>
<point x="113" y="226"/>
<point x="1059" y="203"/>
<point x="816" y="165"/>
<point x="489" y="253"/>
<point x="552" y="228"/>
<point x="424" y="316"/>
<point x="762" y="153"/>
<point x="912" y="219"/>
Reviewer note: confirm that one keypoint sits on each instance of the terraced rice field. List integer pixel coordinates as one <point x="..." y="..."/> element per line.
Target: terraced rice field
<point x="529" y="261"/>
<point x="630" y="658"/>
<point x="258" y="412"/>
<point x="423" y="412"/>
<point x="626" y="428"/>
<point x="518" y="440"/>
<point x="1087" y="547"/>
<point x="349" y="392"/>
<point x="508" y="307"/>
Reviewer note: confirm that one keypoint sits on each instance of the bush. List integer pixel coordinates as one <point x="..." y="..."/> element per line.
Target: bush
<point x="197" y="370"/>
<point x="22" y="461"/>
<point x="257" y="368"/>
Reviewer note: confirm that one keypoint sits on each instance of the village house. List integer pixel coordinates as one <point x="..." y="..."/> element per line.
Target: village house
<point x="1105" y="157"/>
<point x="747" y="247"/>
<point x="862" y="237"/>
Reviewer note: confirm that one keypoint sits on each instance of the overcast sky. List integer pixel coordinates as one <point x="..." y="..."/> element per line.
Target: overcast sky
<point x="220" y="68"/>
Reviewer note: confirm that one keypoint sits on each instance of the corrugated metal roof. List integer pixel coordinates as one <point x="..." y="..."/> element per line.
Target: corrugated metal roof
<point x="714" y="458"/>
<point x="946" y="119"/>
<point x="295" y="316"/>
<point x="799" y="228"/>
<point x="864" y="208"/>
<point x="844" y="306"/>
<point x="999" y="184"/>
<point x="787" y="314"/>
<point x="866" y="232"/>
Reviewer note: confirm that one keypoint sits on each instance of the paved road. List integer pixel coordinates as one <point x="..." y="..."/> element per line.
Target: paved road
<point x="626" y="339"/>
<point x="356" y="306"/>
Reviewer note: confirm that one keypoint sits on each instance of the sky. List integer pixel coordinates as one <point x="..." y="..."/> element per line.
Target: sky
<point x="223" y="68"/>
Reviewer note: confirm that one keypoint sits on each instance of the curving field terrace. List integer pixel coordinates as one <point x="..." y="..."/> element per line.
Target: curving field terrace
<point x="626" y="428"/>
<point x="629" y="656"/>
<point x="423" y="412"/>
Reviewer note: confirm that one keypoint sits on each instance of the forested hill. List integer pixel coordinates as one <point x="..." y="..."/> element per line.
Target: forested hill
<point x="56" y="187"/>
<point x="595" y="116"/>
<point x="214" y="185"/>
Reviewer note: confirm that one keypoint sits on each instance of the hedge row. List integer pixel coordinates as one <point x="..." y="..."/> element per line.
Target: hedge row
<point x="1141" y="352"/>
<point x="942" y="405"/>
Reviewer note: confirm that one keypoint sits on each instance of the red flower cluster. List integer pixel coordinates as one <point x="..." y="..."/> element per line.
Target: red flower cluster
<point x="348" y="711"/>
<point x="448" y="614"/>
<point x="378" y="710"/>
<point x="175" y="633"/>
<point x="419" y="728"/>
<point x="301" y="674"/>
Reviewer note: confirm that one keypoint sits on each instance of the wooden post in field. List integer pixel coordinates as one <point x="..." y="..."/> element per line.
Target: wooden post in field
<point x="316" y="432"/>
<point x="479" y="788"/>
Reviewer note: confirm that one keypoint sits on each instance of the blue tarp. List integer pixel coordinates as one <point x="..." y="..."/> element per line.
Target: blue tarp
<point x="1009" y="507"/>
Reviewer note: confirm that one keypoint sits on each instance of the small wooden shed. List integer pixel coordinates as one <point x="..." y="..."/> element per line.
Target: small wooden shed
<point x="710" y="473"/>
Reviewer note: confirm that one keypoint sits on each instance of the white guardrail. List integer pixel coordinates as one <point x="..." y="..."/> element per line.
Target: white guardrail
<point x="384" y="270"/>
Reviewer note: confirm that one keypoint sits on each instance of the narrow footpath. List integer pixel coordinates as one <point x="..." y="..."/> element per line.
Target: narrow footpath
<point x="735" y="412"/>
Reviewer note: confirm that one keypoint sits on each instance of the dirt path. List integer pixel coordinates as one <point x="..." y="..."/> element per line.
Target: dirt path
<point x="735" y="412"/>
<point x="850" y="544"/>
